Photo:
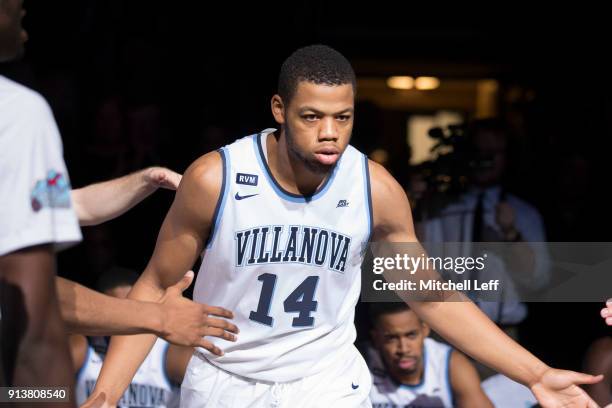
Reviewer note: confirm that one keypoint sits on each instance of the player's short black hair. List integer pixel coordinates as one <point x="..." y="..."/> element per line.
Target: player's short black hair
<point x="115" y="277"/>
<point x="318" y="64"/>
<point x="375" y="310"/>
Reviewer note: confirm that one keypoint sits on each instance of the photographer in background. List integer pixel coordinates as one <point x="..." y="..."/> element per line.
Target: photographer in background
<point x="461" y="197"/>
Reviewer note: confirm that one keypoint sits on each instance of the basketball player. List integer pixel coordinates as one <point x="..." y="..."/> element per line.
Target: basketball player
<point x="282" y="247"/>
<point x="37" y="218"/>
<point x="33" y="223"/>
<point x="411" y="370"/>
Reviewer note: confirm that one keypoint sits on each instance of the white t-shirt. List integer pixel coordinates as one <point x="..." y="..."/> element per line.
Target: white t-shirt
<point x="35" y="205"/>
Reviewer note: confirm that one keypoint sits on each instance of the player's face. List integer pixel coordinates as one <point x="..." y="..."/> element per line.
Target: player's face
<point x="399" y="338"/>
<point x="318" y="122"/>
<point x="12" y="34"/>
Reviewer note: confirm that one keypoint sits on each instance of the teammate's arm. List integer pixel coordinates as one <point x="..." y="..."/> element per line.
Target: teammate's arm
<point x="100" y="202"/>
<point x="181" y="239"/>
<point x="462" y="323"/>
<point x="175" y="318"/>
<point x="465" y="383"/>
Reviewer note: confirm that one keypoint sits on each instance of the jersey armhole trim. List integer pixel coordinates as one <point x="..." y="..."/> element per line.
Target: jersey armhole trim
<point x="368" y="196"/>
<point x="278" y="189"/>
<point x="448" y="378"/>
<point x="222" y="197"/>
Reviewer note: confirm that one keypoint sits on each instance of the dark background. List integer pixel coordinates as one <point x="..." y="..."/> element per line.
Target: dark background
<point x="138" y="83"/>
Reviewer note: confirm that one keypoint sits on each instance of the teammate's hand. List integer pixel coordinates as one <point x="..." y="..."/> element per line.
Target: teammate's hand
<point x="185" y="323"/>
<point x="559" y="388"/>
<point x="162" y="177"/>
<point x="606" y="312"/>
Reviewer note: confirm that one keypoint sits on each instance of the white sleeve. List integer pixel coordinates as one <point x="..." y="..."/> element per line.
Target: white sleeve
<point x="35" y="205"/>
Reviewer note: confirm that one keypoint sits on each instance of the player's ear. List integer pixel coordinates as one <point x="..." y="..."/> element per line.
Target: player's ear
<point x="278" y="109"/>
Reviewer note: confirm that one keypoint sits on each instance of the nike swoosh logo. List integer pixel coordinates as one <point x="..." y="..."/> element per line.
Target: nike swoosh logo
<point x="239" y="197"/>
<point x="353" y="386"/>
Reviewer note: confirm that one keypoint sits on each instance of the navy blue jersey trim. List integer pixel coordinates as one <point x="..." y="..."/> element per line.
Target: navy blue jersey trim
<point x="280" y="191"/>
<point x="448" y="379"/>
<point x="368" y="192"/>
<point x="222" y="196"/>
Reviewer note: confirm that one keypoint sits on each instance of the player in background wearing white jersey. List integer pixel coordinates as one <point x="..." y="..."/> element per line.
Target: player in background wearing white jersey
<point x="158" y="378"/>
<point x="316" y="119"/>
<point x="410" y="369"/>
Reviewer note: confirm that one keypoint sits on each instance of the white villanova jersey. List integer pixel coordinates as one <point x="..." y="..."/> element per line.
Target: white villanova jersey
<point x="434" y="390"/>
<point x="150" y="387"/>
<point x="288" y="266"/>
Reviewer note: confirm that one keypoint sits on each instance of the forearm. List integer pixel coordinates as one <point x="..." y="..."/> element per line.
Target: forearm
<point x="126" y="353"/>
<point x="100" y="202"/>
<point x="91" y="313"/>
<point x="468" y="329"/>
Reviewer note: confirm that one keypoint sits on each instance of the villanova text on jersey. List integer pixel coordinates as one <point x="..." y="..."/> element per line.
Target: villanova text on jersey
<point x="293" y="244"/>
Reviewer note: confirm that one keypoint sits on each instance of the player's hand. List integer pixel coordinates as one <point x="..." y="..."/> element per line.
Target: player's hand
<point x="162" y="177"/>
<point x="559" y="388"/>
<point x="606" y="312"/>
<point x="185" y="323"/>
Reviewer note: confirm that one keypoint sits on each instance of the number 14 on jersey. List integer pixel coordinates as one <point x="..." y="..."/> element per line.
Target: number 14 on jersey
<point x="300" y="301"/>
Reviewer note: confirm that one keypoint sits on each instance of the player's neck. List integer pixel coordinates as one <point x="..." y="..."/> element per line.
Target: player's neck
<point x="414" y="378"/>
<point x="292" y="174"/>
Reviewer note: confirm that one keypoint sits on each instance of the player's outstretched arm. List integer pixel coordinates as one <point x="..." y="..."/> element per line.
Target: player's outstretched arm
<point x="100" y="202"/>
<point x="462" y="323"/>
<point x="181" y="239"/>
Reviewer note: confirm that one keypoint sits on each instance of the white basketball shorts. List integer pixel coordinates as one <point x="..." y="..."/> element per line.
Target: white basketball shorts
<point x="345" y="384"/>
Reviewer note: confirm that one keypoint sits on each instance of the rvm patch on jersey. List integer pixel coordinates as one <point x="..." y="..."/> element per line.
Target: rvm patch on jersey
<point x="246" y="179"/>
